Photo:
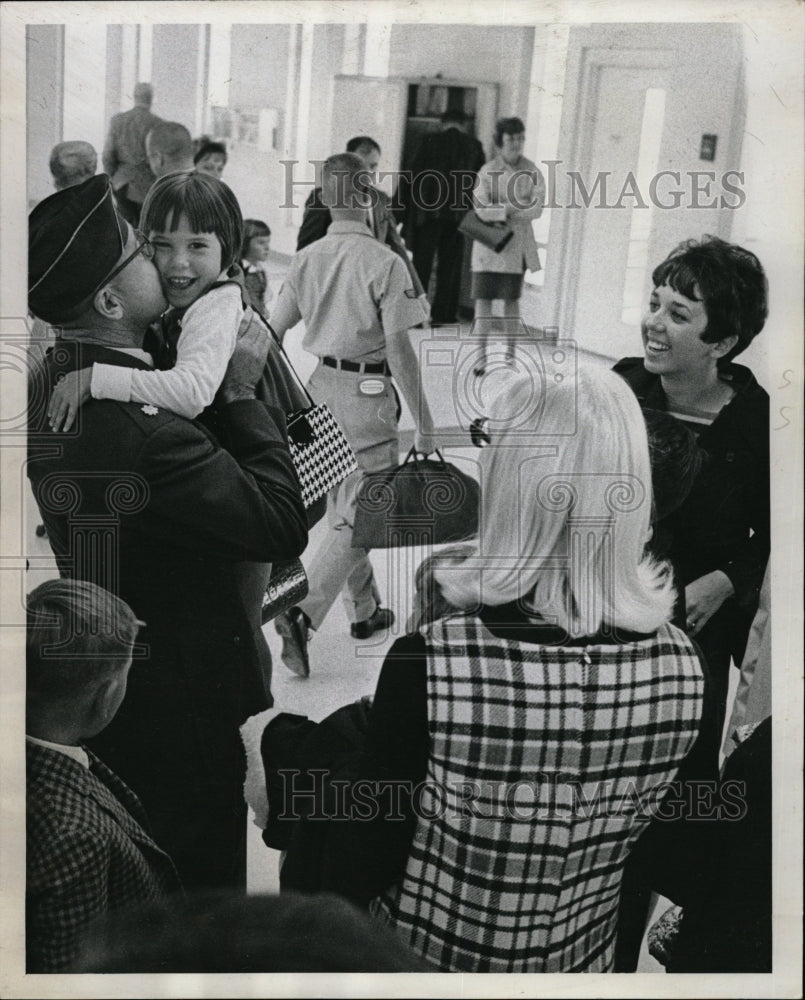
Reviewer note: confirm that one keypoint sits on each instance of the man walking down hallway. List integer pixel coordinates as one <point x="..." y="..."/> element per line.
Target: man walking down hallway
<point x="124" y="156"/>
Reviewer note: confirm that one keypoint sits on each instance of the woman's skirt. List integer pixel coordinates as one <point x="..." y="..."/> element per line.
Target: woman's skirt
<point x="496" y="285"/>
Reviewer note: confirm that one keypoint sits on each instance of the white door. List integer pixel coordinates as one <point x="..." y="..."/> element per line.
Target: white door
<point x="639" y="100"/>
<point x="627" y="110"/>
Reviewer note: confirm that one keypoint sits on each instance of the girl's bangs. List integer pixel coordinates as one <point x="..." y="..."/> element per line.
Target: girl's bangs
<point x="182" y="198"/>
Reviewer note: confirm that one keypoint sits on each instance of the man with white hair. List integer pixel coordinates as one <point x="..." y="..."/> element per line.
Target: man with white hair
<point x="124" y="156"/>
<point x="72" y="163"/>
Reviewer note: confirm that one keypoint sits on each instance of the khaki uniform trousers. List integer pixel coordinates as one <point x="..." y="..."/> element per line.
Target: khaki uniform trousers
<point x="365" y="407"/>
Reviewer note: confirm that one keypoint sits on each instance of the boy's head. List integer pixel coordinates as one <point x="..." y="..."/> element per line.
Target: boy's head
<point x="728" y="280"/>
<point x="205" y="202"/>
<point x="79" y="642"/>
<point x="168" y="147"/>
<point x="256" y="240"/>
<point x="344" y="183"/>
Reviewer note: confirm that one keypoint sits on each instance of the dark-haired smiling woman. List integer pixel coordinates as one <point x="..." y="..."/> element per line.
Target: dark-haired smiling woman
<point x="710" y="300"/>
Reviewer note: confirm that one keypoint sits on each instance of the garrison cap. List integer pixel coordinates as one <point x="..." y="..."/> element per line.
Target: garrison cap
<point x="75" y="239"/>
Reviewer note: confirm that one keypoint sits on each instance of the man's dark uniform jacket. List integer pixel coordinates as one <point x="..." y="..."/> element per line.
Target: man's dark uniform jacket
<point x="88" y="854"/>
<point x="154" y="508"/>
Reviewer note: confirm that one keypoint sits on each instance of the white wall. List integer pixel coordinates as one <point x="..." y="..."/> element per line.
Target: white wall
<point x="773" y="170"/>
<point x="262" y="57"/>
<point x="45" y="83"/>
<point x="174" y="73"/>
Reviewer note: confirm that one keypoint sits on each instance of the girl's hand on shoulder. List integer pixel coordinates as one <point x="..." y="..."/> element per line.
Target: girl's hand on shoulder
<point x="71" y="392"/>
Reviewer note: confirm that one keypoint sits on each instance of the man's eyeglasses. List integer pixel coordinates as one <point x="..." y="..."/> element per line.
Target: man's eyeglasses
<point x="144" y="247"/>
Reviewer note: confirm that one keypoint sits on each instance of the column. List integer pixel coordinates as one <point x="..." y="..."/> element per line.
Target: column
<point x="377" y="51"/>
<point x="85" y="83"/>
<point x="145" y="52"/>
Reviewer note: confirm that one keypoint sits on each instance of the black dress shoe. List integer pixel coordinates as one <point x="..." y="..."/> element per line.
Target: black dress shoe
<point x="382" y="618"/>
<point x="293" y="625"/>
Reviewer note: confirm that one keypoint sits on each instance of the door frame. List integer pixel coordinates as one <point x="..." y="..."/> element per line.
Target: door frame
<point x="584" y="66"/>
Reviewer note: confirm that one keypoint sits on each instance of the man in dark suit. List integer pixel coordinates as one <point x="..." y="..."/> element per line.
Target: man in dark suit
<point x="169" y="516"/>
<point x="380" y="218"/>
<point x="88" y="851"/>
<point x="442" y="176"/>
<point x="124" y="156"/>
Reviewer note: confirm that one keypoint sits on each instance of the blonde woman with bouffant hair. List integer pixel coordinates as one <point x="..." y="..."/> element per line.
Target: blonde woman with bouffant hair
<point x="544" y="694"/>
<point x="540" y="478"/>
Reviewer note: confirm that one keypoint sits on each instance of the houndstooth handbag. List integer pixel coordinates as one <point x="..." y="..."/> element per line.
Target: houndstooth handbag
<point x="321" y="454"/>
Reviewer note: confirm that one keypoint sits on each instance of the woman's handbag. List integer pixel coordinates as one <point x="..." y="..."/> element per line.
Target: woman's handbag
<point x="420" y="501"/>
<point x="321" y="454"/>
<point x="494" y="235"/>
<point x="287" y="586"/>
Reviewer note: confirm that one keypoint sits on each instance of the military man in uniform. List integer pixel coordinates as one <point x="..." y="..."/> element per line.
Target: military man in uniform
<point x="358" y="304"/>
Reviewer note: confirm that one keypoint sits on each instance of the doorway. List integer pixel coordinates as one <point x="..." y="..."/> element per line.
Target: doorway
<point x="647" y="110"/>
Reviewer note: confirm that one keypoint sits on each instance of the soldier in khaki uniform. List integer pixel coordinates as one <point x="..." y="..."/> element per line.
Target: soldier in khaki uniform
<point x="356" y="299"/>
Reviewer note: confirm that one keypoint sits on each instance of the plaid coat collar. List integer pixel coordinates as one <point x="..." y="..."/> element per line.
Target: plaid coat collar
<point x="100" y="783"/>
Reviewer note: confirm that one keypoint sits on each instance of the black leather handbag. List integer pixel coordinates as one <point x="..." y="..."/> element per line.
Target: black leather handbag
<point x="421" y="501"/>
<point x="494" y="235"/>
<point x="286" y="587"/>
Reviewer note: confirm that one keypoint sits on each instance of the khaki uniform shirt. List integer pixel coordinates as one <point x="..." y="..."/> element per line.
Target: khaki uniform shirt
<point x="351" y="291"/>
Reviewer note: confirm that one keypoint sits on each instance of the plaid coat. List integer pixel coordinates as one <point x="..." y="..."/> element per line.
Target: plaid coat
<point x="544" y="763"/>
<point x="87" y="854"/>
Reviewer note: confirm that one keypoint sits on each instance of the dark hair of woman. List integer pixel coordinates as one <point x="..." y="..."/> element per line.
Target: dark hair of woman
<point x="727" y="279"/>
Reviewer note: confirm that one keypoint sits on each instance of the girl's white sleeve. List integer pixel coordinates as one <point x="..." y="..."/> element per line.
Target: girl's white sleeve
<point x="209" y="331"/>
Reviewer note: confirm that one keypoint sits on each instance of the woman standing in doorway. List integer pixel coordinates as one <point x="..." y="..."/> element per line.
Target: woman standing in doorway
<point x="509" y="186"/>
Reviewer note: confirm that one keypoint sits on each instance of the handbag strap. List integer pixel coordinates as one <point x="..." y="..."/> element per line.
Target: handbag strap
<point x="412" y="457"/>
<point x="278" y="342"/>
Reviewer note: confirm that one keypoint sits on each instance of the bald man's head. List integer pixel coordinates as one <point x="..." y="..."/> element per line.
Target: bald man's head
<point x="72" y="163"/>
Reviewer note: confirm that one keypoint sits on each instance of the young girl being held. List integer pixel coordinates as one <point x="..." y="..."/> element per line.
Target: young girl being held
<point x="195" y="225"/>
